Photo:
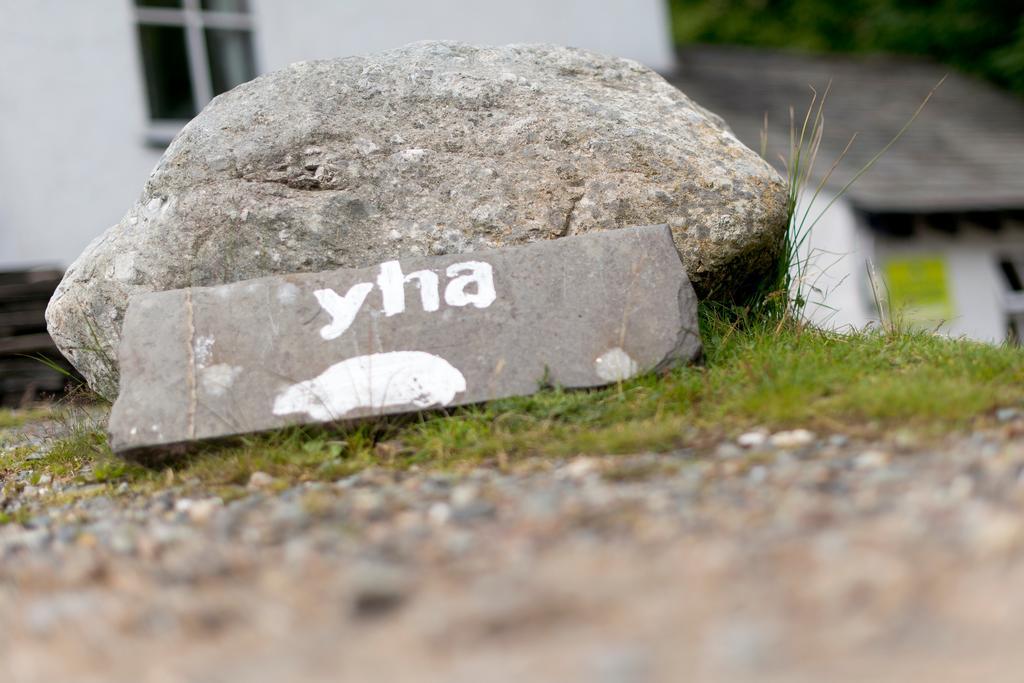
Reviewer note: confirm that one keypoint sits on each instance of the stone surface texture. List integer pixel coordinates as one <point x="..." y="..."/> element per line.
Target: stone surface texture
<point x="407" y="335"/>
<point x="433" y="148"/>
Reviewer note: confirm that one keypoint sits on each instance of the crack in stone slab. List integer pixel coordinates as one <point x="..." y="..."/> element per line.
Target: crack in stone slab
<point x="567" y="223"/>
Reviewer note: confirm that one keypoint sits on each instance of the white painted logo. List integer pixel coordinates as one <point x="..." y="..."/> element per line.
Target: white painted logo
<point x="392" y="281"/>
<point x="378" y="380"/>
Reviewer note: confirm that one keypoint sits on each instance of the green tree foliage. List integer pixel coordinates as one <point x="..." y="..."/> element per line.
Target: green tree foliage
<point x="985" y="37"/>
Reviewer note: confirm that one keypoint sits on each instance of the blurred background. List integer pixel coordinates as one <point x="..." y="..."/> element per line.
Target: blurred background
<point x="982" y="37"/>
<point x="92" y="91"/>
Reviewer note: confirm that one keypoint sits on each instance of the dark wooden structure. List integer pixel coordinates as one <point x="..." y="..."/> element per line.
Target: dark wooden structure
<point x="27" y="354"/>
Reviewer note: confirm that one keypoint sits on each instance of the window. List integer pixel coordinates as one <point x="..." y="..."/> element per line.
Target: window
<point x="894" y="224"/>
<point x="1012" y="269"/>
<point x="191" y="50"/>
<point x="1011" y="275"/>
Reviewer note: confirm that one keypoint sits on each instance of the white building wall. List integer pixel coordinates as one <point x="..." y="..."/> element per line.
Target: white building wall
<point x="832" y="276"/>
<point x="637" y="29"/>
<point x="73" y="117"/>
<point x="72" y="126"/>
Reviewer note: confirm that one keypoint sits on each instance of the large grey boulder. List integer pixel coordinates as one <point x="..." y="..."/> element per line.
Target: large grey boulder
<point x="433" y="148"/>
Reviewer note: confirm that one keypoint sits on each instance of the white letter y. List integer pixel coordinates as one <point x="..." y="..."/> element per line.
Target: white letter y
<point x="342" y="309"/>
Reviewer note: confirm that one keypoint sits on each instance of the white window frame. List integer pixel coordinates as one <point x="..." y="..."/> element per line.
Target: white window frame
<point x="194" y="19"/>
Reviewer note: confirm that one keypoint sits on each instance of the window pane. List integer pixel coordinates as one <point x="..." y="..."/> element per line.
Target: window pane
<point x="231" y="58"/>
<point x="225" y="5"/>
<point x="1013" y="280"/>
<point x="165" y="61"/>
<point x="158" y="3"/>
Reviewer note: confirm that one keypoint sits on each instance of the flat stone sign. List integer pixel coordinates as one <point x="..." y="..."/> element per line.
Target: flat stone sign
<point x="407" y="335"/>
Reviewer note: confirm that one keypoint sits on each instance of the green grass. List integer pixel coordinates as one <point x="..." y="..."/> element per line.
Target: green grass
<point x="10" y="419"/>
<point x="776" y="375"/>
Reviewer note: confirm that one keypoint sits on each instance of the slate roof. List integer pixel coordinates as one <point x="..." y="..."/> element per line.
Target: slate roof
<point x="964" y="153"/>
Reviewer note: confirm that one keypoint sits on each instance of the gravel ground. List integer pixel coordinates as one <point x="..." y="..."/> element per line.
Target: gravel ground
<point x="785" y="557"/>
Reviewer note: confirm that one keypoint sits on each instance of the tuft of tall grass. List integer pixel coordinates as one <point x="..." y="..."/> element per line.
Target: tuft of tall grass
<point x="785" y="293"/>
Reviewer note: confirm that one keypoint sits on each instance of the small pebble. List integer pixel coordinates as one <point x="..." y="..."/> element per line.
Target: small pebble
<point x="439" y="513"/>
<point x="871" y="459"/>
<point x="473" y="510"/>
<point x="378" y="588"/>
<point x="907" y="440"/>
<point x="464" y="494"/>
<point x="726" y="451"/>
<point x="201" y="511"/>
<point x="754" y="439"/>
<point x="368" y="501"/>
<point x="838" y="440"/>
<point x="580" y="468"/>
<point x="796" y="438"/>
<point x="1007" y="414"/>
<point x="259" y="481"/>
<point x="123" y="540"/>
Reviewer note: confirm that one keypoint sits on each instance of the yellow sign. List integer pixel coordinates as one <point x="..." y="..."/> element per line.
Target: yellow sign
<point x="919" y="290"/>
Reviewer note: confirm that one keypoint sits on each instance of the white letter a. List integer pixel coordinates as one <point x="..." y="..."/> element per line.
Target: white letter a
<point x="455" y="293"/>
